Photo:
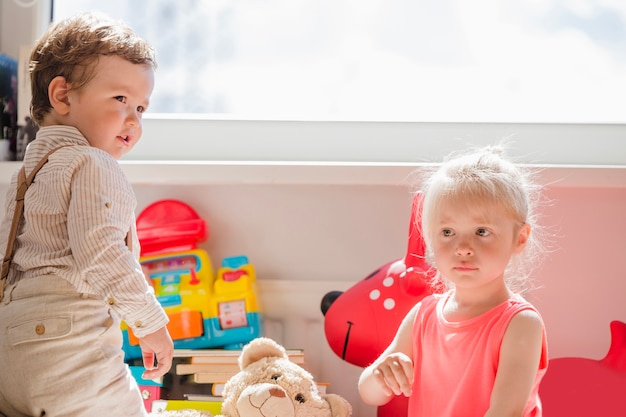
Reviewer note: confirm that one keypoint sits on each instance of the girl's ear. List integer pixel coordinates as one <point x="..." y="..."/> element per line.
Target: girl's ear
<point x="58" y="95"/>
<point x="522" y="237"/>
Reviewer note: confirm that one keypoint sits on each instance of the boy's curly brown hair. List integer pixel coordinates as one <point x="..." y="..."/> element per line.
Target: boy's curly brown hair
<point x="71" y="48"/>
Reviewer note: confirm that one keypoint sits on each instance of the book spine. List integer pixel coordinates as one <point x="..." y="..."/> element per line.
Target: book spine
<point x="297" y="358"/>
<point x="192" y="368"/>
<point x="213" y="407"/>
<point x="210" y="377"/>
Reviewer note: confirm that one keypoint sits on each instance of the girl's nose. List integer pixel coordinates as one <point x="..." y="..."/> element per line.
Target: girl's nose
<point x="464" y="249"/>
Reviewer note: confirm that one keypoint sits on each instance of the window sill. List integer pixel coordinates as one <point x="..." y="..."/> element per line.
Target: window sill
<point x="330" y="173"/>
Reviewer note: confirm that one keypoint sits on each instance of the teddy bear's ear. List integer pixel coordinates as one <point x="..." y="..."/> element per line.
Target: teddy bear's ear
<point x="259" y="348"/>
<point x="339" y="406"/>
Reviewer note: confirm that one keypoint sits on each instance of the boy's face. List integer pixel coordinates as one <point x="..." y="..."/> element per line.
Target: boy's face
<point x="108" y="109"/>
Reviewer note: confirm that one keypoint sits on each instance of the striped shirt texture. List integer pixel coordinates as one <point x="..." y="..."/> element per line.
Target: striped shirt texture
<point x="77" y="214"/>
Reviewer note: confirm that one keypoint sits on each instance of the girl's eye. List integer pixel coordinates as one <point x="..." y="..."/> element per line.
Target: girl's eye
<point x="447" y="233"/>
<point x="483" y="232"/>
<point x="121" y="99"/>
<point x="141" y="109"/>
<point x="300" y="398"/>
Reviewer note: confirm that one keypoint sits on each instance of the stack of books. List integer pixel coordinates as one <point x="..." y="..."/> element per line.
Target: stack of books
<point x="216" y="366"/>
<point x="198" y="376"/>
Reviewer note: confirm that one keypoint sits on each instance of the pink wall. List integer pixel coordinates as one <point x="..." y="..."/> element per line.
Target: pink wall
<point x="583" y="282"/>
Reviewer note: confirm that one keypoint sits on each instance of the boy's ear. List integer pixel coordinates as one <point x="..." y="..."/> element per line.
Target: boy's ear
<point x="58" y="95"/>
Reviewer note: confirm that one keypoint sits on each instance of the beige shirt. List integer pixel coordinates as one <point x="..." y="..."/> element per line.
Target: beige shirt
<point x="77" y="214"/>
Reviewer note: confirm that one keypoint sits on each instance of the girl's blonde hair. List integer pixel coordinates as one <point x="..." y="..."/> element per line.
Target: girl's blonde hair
<point x="485" y="177"/>
<point x="71" y="48"/>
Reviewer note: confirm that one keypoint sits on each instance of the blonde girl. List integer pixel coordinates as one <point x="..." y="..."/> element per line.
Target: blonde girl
<point x="478" y="349"/>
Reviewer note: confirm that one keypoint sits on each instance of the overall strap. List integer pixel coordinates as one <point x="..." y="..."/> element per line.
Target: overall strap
<point x="23" y="182"/>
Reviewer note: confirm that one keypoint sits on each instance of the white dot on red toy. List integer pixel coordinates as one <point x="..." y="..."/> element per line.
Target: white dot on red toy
<point x="389" y="303"/>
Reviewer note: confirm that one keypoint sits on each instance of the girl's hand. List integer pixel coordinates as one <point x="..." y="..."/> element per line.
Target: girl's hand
<point x="395" y="374"/>
<point x="392" y="373"/>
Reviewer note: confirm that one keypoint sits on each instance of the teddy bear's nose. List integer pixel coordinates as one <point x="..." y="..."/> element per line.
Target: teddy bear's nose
<point x="277" y="392"/>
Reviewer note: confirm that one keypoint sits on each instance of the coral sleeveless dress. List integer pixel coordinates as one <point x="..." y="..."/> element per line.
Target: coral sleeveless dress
<point x="456" y="363"/>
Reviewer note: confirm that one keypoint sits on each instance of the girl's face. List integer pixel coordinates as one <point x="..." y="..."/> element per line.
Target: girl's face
<point x="108" y="109"/>
<point x="472" y="242"/>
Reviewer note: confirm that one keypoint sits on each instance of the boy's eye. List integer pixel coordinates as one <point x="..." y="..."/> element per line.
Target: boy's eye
<point x="121" y="99"/>
<point x="141" y="109"/>
<point x="447" y="232"/>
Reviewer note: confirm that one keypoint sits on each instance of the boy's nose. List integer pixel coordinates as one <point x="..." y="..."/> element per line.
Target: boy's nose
<point x="133" y="119"/>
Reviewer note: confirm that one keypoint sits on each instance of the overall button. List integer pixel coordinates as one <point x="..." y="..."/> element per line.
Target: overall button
<point x="40" y="329"/>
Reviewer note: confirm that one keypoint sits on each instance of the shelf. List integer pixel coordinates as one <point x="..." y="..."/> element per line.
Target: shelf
<point x="329" y="173"/>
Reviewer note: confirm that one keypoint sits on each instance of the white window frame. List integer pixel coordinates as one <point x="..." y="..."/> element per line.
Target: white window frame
<point x="199" y="148"/>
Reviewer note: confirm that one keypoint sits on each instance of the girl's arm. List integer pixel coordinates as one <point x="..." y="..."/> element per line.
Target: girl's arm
<point x="520" y="355"/>
<point x="392" y="373"/>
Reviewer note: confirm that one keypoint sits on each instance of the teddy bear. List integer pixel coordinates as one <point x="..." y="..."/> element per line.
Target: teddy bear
<point x="270" y="384"/>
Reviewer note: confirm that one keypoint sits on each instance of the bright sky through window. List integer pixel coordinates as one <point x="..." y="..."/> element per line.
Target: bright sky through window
<point x="390" y="60"/>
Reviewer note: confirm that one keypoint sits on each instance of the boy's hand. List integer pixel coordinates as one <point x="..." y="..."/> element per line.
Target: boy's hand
<point x="158" y="344"/>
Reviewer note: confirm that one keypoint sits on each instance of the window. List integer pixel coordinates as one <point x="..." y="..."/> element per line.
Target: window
<point x="385" y="60"/>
